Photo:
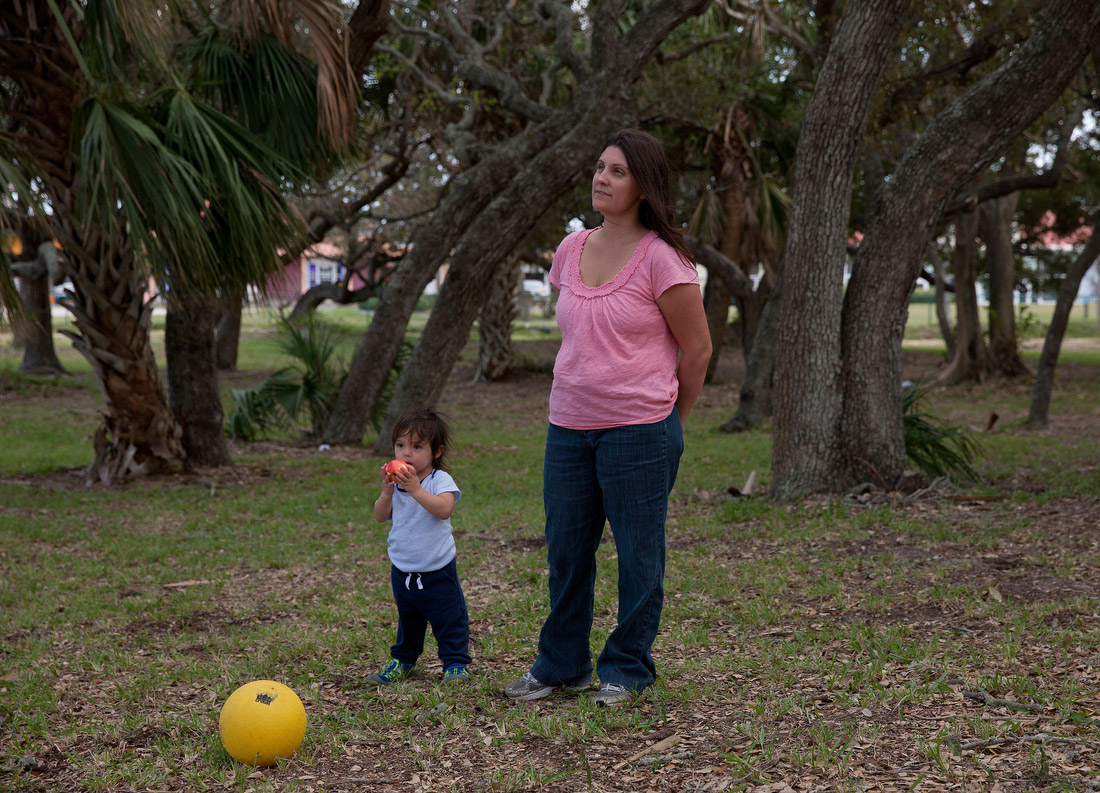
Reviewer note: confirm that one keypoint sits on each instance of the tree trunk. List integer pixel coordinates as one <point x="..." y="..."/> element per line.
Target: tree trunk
<point x="732" y="174"/>
<point x="716" y="304"/>
<point x="954" y="147"/>
<point x="484" y="216"/>
<point x="140" y="435"/>
<point x="498" y="314"/>
<point x="995" y="228"/>
<point x="1038" y="414"/>
<point x="754" y="403"/>
<point x="971" y="361"/>
<point x="337" y="293"/>
<point x="498" y="231"/>
<point x="36" y="335"/>
<point x="193" y="378"/>
<point x="227" y="332"/>
<point x="941" y="304"/>
<point x="807" y="400"/>
<point x="373" y="361"/>
<point x="722" y="269"/>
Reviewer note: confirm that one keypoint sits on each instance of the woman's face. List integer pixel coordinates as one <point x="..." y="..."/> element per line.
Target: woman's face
<point x="614" y="191"/>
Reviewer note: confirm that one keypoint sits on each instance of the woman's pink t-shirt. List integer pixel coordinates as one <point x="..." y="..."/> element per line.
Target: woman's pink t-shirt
<point x="618" y="358"/>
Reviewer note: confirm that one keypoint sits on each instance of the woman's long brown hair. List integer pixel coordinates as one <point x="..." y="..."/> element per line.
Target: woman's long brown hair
<point x="648" y="164"/>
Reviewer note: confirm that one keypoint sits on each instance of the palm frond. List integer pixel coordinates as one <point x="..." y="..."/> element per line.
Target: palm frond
<point x="135" y="186"/>
<point x="936" y="448"/>
<point x="244" y="210"/>
<point x="707" y="220"/>
<point x="272" y="90"/>
<point x="335" y="89"/>
<point x="113" y="30"/>
<point x="307" y="387"/>
<point x="256" y="411"/>
<point x="336" y="86"/>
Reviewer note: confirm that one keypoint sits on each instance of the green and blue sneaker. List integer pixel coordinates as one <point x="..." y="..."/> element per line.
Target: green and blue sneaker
<point x="456" y="673"/>
<point x="393" y="672"/>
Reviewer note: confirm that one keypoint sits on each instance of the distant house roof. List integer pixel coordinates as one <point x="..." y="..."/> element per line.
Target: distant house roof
<point x="324" y="249"/>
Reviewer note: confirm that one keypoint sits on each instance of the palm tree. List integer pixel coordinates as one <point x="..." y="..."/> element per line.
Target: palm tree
<point x="130" y="130"/>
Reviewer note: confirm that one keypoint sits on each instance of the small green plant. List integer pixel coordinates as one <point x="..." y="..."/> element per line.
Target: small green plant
<point x="936" y="448"/>
<point x="308" y="386"/>
<point x="1028" y="326"/>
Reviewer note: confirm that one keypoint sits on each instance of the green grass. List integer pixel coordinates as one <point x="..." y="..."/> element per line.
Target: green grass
<point x="821" y="641"/>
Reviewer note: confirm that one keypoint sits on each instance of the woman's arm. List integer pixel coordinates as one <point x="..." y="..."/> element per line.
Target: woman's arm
<point x="682" y="307"/>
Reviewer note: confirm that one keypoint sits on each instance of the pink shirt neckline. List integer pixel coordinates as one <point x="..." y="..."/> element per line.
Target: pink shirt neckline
<point x="584" y="290"/>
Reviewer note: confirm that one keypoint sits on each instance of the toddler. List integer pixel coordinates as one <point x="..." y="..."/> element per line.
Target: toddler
<point x="419" y="500"/>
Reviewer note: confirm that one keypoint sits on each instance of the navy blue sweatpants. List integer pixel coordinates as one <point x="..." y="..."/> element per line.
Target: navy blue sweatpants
<point x="433" y="598"/>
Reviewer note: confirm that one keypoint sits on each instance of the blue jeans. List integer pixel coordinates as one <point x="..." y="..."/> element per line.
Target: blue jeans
<point x="433" y="598"/>
<point x="623" y="475"/>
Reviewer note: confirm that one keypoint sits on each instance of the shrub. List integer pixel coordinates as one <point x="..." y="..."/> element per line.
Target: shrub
<point x="936" y="448"/>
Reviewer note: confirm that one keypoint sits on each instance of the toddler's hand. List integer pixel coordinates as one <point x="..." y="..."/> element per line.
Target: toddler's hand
<point x="406" y="478"/>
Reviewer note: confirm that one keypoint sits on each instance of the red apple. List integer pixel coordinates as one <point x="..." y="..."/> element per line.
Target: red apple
<point x="394" y="467"/>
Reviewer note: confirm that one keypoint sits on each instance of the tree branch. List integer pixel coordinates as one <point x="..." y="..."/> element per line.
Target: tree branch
<point x="605" y="24"/>
<point x="776" y="25"/>
<point x="562" y="22"/>
<point x="642" y="40"/>
<point x="471" y="64"/>
<point x="720" y="265"/>
<point x="691" y="49"/>
<point x="367" y="25"/>
<point x="1012" y="184"/>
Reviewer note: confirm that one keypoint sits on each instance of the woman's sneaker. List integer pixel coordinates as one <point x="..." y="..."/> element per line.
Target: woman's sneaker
<point x="611" y="695"/>
<point x="393" y="672"/>
<point x="529" y="687"/>
<point x="456" y="674"/>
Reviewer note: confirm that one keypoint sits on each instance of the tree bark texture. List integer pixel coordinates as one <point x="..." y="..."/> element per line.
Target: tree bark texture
<point x="467" y="195"/>
<point x="807" y="452"/>
<point x="193" y="378"/>
<point x="716" y="304"/>
<point x="955" y="146"/>
<point x="485" y="214"/>
<point x="735" y="170"/>
<point x="498" y="314"/>
<point x="337" y="293"/>
<point x="946" y="332"/>
<point x="227" y="332"/>
<point x="1039" y="412"/>
<point x="722" y="269"/>
<point x="754" y="402"/>
<point x="36" y="335"/>
<point x="971" y="359"/>
<point x="140" y="435"/>
<point x="995" y="219"/>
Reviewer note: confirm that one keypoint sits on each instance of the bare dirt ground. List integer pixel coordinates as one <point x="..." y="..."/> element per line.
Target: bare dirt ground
<point x="964" y="739"/>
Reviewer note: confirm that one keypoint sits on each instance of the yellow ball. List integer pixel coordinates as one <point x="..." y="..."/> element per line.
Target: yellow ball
<point x="260" y="721"/>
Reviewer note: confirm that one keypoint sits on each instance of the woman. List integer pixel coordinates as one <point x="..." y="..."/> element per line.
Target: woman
<point x="634" y="352"/>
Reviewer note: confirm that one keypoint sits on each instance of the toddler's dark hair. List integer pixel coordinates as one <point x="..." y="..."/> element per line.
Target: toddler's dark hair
<point x="428" y="427"/>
